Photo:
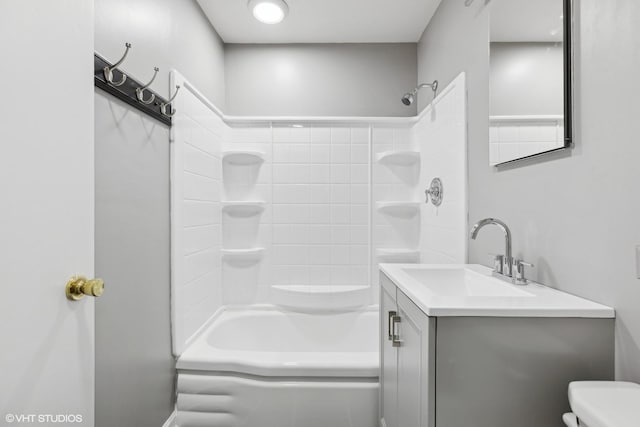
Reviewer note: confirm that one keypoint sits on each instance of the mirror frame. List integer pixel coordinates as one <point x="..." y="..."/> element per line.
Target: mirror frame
<point x="568" y="61"/>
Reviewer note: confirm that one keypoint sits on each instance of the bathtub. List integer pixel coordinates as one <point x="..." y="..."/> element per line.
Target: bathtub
<point x="266" y="367"/>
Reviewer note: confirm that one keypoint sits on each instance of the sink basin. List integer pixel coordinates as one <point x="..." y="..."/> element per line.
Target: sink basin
<point x="463" y="282"/>
<point x="471" y="290"/>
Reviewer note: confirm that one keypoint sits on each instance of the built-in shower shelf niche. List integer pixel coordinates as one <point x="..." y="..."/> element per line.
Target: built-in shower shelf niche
<point x="248" y="256"/>
<point x="243" y="208"/>
<point x="243" y="157"/>
<point x="397" y="255"/>
<point x="398" y="208"/>
<point x="334" y="297"/>
<point x="398" y="158"/>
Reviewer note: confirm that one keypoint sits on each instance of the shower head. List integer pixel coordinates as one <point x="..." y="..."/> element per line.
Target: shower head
<point x="409" y="97"/>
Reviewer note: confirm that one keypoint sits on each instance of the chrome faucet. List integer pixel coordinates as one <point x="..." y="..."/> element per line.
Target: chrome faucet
<point x="503" y="264"/>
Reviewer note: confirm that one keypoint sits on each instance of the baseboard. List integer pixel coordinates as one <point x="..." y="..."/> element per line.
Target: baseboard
<point x="171" y="421"/>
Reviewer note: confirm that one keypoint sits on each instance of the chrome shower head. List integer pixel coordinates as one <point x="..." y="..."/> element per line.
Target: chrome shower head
<point x="407" y="99"/>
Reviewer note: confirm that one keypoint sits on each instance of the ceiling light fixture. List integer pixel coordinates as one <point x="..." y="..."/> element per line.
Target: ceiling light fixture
<point x="268" y="11"/>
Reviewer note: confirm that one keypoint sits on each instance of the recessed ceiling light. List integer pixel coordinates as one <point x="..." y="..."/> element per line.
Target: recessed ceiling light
<point x="268" y="11"/>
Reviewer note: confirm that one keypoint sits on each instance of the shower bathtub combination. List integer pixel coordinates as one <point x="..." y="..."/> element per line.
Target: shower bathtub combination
<point x="268" y="367"/>
<point x="278" y="226"/>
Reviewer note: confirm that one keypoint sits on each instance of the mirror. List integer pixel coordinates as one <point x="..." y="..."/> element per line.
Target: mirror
<point x="530" y="78"/>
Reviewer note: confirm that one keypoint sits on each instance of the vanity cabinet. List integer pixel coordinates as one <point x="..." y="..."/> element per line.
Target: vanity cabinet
<point x="406" y="365"/>
<point x="483" y="371"/>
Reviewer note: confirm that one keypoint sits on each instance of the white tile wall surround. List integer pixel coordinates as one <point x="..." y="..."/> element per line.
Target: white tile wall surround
<point x="315" y="225"/>
<point x="308" y="204"/>
<point x="317" y="205"/>
<point x="512" y="137"/>
<point x="443" y="140"/>
<point x="246" y="278"/>
<point x="196" y="232"/>
<point x="396" y="224"/>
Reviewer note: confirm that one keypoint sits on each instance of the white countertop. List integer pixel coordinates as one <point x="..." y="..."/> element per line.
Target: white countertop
<point x="531" y="300"/>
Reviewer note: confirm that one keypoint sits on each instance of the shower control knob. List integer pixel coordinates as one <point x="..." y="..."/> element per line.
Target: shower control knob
<point x="434" y="191"/>
<point x="78" y="286"/>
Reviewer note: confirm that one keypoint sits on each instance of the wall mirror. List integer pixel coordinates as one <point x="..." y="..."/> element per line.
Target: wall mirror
<point x="530" y="78"/>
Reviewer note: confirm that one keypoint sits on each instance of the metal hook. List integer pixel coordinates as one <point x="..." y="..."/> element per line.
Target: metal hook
<point x="140" y="90"/>
<point x="163" y="106"/>
<point x="108" y="71"/>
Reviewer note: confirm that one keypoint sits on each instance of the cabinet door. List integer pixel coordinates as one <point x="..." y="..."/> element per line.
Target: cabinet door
<point x="388" y="362"/>
<point x="415" y="381"/>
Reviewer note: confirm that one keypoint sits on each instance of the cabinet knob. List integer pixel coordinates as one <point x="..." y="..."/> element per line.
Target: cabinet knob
<point x="518" y="271"/>
<point x="79" y="286"/>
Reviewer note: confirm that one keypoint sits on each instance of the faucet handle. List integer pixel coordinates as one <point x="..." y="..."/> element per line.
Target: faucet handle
<point x="498" y="262"/>
<point x="518" y="271"/>
<point x="520" y="262"/>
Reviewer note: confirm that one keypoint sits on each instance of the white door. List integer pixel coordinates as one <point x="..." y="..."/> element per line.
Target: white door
<point x="46" y="211"/>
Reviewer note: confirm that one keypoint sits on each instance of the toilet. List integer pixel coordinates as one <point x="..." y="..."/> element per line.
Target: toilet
<point x="603" y="404"/>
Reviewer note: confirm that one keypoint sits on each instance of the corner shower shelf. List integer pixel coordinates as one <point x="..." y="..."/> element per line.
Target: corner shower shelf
<point x="243" y="256"/>
<point x="243" y="208"/>
<point x="243" y="157"/>
<point x="396" y="208"/>
<point x="395" y="255"/>
<point x="398" y="158"/>
<point x="335" y="297"/>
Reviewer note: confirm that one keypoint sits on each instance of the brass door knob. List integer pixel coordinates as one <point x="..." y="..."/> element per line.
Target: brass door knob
<point x="79" y="286"/>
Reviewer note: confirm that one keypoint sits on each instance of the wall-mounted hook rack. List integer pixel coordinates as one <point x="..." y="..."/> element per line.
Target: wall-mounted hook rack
<point x="128" y="88"/>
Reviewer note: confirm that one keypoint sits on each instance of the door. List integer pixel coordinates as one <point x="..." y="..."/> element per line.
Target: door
<point x="46" y="215"/>
<point x="388" y="359"/>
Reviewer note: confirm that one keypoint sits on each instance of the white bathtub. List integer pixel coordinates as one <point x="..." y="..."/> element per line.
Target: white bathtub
<point x="264" y="367"/>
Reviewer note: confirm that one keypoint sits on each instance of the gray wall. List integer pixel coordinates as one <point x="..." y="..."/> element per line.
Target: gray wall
<point x="134" y="365"/>
<point x="526" y="79"/>
<point x="577" y="215"/>
<point x="320" y="79"/>
<point x="164" y="33"/>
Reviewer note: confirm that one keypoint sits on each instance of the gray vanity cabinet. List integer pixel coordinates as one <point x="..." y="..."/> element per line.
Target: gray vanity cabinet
<point x="483" y="371"/>
<point x="406" y="363"/>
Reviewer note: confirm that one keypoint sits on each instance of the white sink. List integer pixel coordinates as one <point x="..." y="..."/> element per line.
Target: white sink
<point x="471" y="290"/>
<point x="463" y="282"/>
